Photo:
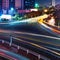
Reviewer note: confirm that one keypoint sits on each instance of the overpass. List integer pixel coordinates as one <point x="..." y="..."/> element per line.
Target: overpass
<point x="43" y="45"/>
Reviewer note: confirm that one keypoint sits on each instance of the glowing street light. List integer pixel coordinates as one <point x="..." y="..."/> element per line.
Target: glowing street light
<point x="33" y="9"/>
<point x="45" y="10"/>
<point x="4" y="16"/>
<point x="36" y="5"/>
<point x="12" y="9"/>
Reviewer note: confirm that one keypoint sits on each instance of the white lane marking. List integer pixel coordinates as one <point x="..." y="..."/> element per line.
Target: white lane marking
<point x="38" y="35"/>
<point x="33" y="34"/>
<point x="36" y="45"/>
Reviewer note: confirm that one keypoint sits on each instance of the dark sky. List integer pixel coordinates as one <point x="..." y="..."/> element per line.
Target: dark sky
<point x="46" y="2"/>
<point x="57" y="1"/>
<point x="43" y="2"/>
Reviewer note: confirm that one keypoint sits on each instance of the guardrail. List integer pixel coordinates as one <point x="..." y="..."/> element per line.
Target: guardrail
<point x="39" y="56"/>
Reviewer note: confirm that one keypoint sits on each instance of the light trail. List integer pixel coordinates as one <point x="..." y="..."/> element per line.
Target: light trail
<point x="6" y="56"/>
<point x="16" y="32"/>
<point x="56" y="31"/>
<point x="30" y="20"/>
<point x="7" y="31"/>
<point x="38" y="35"/>
<point x="38" y="46"/>
<point x="12" y="55"/>
<point x="53" y="29"/>
<point x="41" y="41"/>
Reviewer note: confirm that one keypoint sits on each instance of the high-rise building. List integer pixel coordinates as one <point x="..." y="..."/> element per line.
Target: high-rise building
<point x="0" y="7"/>
<point x="12" y="3"/>
<point x="0" y="4"/>
<point x="19" y="4"/>
<point x="29" y="4"/>
<point x="5" y="4"/>
<point x="53" y="3"/>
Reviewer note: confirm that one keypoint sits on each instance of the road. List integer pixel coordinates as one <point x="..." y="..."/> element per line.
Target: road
<point x="36" y="42"/>
<point x="29" y="27"/>
<point x="35" y="37"/>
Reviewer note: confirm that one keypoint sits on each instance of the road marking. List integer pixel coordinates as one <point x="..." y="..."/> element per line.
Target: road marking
<point x="45" y="36"/>
<point x="58" y="38"/>
<point x="37" y="40"/>
<point x="33" y="34"/>
<point x="38" y="46"/>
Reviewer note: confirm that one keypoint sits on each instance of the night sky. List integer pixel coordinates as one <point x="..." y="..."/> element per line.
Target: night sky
<point x="46" y="2"/>
<point x="57" y="1"/>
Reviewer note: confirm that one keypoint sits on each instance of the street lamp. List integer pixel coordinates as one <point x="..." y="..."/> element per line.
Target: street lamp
<point x="12" y="9"/>
<point x="36" y="5"/>
<point x="45" y="10"/>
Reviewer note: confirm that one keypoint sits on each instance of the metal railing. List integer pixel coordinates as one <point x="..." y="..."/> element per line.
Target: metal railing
<point x="39" y="56"/>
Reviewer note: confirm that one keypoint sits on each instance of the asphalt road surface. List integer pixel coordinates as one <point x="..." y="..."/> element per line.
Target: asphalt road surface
<point x="34" y="37"/>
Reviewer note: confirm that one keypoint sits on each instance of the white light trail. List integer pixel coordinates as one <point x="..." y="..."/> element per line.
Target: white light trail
<point x="6" y="16"/>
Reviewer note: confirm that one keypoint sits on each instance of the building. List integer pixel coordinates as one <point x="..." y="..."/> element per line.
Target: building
<point x="7" y="4"/>
<point x="0" y="4"/>
<point x="29" y="4"/>
<point x="53" y="3"/>
<point x="12" y="3"/>
<point x="0" y="7"/>
<point x="19" y="4"/>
